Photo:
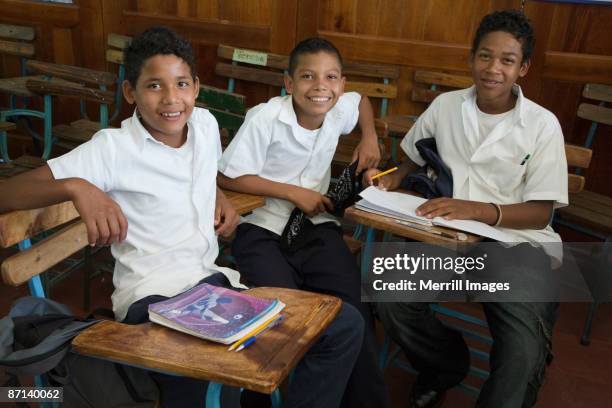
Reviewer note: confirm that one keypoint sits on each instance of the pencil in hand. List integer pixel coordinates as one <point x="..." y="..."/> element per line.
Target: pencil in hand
<point x="384" y="173"/>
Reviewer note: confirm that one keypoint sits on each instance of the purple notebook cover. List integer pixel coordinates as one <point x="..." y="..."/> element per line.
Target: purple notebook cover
<point x="213" y="311"/>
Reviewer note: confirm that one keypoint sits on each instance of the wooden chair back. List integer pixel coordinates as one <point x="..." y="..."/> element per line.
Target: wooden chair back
<point x="227" y="107"/>
<point x="577" y="157"/>
<point x="251" y="66"/>
<point x="74" y="82"/>
<point x="429" y="84"/>
<point x="116" y="44"/>
<point x="17" y="40"/>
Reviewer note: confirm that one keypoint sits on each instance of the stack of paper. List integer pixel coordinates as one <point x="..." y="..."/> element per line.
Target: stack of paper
<point x="403" y="206"/>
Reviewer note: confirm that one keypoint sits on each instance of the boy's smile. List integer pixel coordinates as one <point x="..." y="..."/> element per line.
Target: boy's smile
<point x="165" y="95"/>
<point x="315" y="86"/>
<point x="496" y="65"/>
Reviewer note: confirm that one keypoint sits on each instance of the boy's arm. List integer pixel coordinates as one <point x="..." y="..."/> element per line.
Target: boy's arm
<point x="367" y="151"/>
<point x="311" y="202"/>
<point x="37" y="188"/>
<point x="528" y="215"/>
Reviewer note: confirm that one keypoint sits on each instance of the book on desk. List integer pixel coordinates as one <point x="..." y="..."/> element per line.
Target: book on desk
<point x="402" y="206"/>
<point x="214" y="313"/>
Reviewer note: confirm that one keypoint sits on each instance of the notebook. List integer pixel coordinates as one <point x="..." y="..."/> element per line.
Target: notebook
<point x="403" y="206"/>
<point x="214" y="313"/>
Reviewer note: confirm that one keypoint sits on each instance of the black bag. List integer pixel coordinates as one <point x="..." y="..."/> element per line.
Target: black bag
<point x="342" y="194"/>
<point x="432" y="180"/>
<point x="35" y="339"/>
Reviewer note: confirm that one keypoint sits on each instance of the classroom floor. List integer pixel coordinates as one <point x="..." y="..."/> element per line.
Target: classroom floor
<point x="578" y="377"/>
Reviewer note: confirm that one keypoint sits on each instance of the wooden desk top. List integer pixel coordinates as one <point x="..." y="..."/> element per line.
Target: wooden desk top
<point x="261" y="367"/>
<point x="19" y="225"/>
<point x="388" y="224"/>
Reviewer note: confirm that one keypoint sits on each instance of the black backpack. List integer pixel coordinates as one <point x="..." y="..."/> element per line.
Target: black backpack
<point x="35" y="339"/>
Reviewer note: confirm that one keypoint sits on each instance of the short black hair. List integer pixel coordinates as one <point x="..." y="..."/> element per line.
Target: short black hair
<point x="151" y="42"/>
<point x="511" y="21"/>
<point x="312" y="46"/>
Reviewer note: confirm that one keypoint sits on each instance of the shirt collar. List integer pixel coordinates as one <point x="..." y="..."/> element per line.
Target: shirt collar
<point x="141" y="134"/>
<point x="287" y="114"/>
<point x="519" y="108"/>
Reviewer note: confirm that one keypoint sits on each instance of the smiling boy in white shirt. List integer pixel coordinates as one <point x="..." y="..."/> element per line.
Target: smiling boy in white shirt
<point x="284" y="151"/>
<point x="507" y="159"/>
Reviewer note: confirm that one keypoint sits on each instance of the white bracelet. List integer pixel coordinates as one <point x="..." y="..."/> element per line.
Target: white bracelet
<point x="499" y="214"/>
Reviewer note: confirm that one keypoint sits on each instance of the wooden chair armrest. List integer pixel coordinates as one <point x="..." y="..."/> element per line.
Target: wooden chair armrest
<point x="72" y="73"/>
<point x="19" y="268"/>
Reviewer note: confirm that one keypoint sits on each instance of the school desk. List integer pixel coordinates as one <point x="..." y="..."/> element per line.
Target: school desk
<point x="261" y="367"/>
<point x="388" y="224"/>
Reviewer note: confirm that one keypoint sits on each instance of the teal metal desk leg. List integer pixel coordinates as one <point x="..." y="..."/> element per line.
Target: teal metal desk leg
<point x="276" y="398"/>
<point x="213" y="395"/>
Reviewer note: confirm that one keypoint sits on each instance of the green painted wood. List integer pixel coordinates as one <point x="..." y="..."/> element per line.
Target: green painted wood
<point x="217" y="98"/>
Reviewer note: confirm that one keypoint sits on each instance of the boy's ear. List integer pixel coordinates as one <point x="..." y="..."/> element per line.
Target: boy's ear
<point x="128" y="92"/>
<point x="524" y="68"/>
<point x="196" y="85"/>
<point x="288" y="83"/>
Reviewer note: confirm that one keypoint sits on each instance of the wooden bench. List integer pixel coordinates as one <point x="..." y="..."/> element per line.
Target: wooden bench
<point x="427" y="86"/>
<point x="587" y="208"/>
<point x="17" y="41"/>
<point x="262" y="368"/>
<point x="590" y="212"/>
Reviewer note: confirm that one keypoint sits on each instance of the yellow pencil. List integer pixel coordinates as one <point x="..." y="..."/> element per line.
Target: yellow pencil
<point x="255" y="332"/>
<point x="383" y="173"/>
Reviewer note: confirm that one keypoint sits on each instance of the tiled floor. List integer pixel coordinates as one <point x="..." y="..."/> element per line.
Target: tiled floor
<point x="579" y="376"/>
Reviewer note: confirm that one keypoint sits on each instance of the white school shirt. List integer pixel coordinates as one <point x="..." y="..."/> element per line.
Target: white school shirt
<point x="491" y="170"/>
<point x="271" y="144"/>
<point x="168" y="197"/>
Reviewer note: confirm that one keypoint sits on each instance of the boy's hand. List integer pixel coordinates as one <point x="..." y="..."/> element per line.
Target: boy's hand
<point x="226" y="217"/>
<point x="454" y="209"/>
<point x="388" y="182"/>
<point x="311" y="202"/>
<point x="367" y="152"/>
<point x="103" y="217"/>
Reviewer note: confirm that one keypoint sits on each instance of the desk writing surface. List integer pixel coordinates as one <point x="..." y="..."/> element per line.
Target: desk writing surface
<point x="261" y="367"/>
<point x="19" y="225"/>
<point x="388" y="224"/>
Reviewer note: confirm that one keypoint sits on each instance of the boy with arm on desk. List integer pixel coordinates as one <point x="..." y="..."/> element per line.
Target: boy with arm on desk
<point x="507" y="158"/>
<point x="284" y="152"/>
<point x="148" y="189"/>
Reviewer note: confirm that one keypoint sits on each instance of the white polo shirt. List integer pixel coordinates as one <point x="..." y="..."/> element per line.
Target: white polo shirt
<point x="271" y="144"/>
<point x="490" y="170"/>
<point x="168" y="197"/>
